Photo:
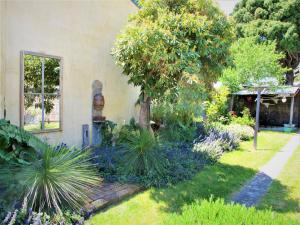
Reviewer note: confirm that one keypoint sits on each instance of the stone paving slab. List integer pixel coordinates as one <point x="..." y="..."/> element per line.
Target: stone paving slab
<point x="257" y="187"/>
<point x="109" y="193"/>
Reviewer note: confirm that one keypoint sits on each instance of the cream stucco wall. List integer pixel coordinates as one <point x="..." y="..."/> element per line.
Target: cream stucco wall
<point x="82" y="32"/>
<point x="2" y="5"/>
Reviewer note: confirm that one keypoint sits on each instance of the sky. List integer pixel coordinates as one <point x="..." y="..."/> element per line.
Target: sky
<point x="227" y="5"/>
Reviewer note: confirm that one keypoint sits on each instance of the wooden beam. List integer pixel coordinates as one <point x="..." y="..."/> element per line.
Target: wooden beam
<point x="257" y="118"/>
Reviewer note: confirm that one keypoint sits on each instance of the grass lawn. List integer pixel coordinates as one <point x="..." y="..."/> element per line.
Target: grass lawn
<point x="284" y="194"/>
<point x="156" y="206"/>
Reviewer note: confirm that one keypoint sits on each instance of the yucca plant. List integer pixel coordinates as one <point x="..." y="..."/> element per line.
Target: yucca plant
<point x="141" y="154"/>
<point x="57" y="179"/>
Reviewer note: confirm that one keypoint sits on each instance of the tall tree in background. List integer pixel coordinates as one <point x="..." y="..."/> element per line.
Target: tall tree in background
<point x="254" y="64"/>
<point x="171" y="39"/>
<point x="277" y="20"/>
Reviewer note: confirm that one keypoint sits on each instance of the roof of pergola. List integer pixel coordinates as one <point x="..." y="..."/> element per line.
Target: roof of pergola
<point x="287" y="91"/>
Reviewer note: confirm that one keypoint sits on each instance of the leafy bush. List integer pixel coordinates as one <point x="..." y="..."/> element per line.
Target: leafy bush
<point x="17" y="145"/>
<point x="107" y="135"/>
<point x="141" y="154"/>
<point x="243" y="132"/>
<point x="126" y="131"/>
<point x="175" y="120"/>
<point x="217" y="212"/>
<point x="54" y="181"/>
<point x="245" y="119"/>
<point x="217" y="109"/>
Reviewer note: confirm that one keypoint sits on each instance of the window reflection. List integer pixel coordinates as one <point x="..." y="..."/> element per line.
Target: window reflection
<point x="41" y="93"/>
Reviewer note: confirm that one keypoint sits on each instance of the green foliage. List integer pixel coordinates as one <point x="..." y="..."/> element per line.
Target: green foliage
<point x="168" y="39"/>
<point x="217" y="108"/>
<point x="17" y="145"/>
<point x="272" y="20"/>
<point x="56" y="180"/>
<point x="178" y="113"/>
<point x="215" y="212"/>
<point x="107" y="132"/>
<point x="245" y="119"/>
<point x="127" y="130"/>
<point x="141" y="154"/>
<point x="254" y="64"/>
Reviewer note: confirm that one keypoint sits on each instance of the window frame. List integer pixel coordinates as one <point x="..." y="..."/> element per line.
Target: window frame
<point x="22" y="94"/>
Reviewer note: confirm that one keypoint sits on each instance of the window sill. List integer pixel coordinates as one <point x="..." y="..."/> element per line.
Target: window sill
<point x="46" y="131"/>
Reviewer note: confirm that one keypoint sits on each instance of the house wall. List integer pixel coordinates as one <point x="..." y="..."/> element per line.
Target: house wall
<point x="2" y="5"/>
<point x="82" y="32"/>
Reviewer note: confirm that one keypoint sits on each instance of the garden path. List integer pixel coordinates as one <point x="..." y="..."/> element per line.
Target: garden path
<point x="257" y="187"/>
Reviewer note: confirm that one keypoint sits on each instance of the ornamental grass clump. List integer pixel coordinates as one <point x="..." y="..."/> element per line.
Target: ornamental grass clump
<point x="55" y="181"/>
<point x="141" y="154"/>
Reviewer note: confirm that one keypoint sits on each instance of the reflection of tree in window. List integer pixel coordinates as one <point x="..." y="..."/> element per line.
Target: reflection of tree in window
<point x="33" y="80"/>
<point x="35" y="88"/>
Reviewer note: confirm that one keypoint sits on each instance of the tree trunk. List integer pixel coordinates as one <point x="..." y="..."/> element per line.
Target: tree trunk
<point x="144" y="117"/>
<point x="290" y="77"/>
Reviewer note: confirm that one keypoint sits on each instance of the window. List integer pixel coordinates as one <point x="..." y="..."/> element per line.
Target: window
<point x="41" y="92"/>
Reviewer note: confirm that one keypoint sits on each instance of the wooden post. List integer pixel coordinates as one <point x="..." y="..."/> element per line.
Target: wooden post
<point x="292" y="110"/>
<point x="257" y="118"/>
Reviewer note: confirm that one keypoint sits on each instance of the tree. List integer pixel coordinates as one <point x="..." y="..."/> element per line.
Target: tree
<point x="275" y="20"/>
<point x="169" y="38"/>
<point x="255" y="64"/>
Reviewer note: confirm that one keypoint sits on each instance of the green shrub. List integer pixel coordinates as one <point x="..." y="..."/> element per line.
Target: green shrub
<point x="243" y="132"/>
<point x="56" y="180"/>
<point x="141" y="154"/>
<point x="245" y="119"/>
<point x="211" y="212"/>
<point x="126" y="131"/>
<point x="217" y="108"/>
<point x="178" y="132"/>
<point x="17" y="145"/>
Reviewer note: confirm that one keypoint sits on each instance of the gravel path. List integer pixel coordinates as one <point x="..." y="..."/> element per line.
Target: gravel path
<point x="257" y="187"/>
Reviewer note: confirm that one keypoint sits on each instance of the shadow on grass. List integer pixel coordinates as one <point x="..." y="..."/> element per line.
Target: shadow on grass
<point x="278" y="199"/>
<point x="219" y="181"/>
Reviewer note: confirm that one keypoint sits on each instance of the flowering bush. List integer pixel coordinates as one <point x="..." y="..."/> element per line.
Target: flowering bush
<point x="243" y="132"/>
<point x="212" y="149"/>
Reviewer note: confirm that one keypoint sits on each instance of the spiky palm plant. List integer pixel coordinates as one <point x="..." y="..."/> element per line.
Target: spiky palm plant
<point x="58" y="179"/>
<point x="141" y="154"/>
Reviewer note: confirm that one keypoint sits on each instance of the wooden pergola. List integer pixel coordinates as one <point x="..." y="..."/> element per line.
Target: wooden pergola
<point x="280" y="93"/>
